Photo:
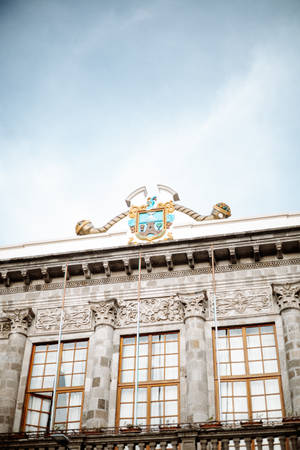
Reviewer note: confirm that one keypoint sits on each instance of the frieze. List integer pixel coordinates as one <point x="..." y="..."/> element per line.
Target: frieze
<point x="148" y="276"/>
<point x="287" y="295"/>
<point x="77" y="317"/>
<point x="242" y="302"/>
<point x="152" y="310"/>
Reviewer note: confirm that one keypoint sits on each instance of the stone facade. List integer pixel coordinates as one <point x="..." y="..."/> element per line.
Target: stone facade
<point x="257" y="282"/>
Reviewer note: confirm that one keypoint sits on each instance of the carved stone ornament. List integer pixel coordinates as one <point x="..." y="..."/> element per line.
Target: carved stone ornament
<point x="194" y="305"/>
<point x="241" y="303"/>
<point x="20" y="319"/>
<point x="5" y="328"/>
<point x="105" y="312"/>
<point x="74" y="318"/>
<point x="152" y="310"/>
<point x="287" y="295"/>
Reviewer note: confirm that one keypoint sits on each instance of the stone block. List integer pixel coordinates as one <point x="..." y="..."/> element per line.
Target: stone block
<point x="96" y="382"/>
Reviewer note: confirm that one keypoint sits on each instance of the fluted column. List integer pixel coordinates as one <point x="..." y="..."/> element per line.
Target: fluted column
<point x="197" y="390"/>
<point x="20" y="320"/>
<point x="287" y="297"/>
<point x="100" y="356"/>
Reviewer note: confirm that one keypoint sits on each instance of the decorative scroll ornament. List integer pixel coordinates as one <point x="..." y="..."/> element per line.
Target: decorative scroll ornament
<point x="74" y="318"/>
<point x="287" y="295"/>
<point x="20" y="319"/>
<point x="243" y="302"/>
<point x="194" y="305"/>
<point x="149" y="222"/>
<point x="152" y="310"/>
<point x="105" y="313"/>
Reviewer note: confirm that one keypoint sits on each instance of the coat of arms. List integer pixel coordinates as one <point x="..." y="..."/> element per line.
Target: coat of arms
<point x="151" y="221"/>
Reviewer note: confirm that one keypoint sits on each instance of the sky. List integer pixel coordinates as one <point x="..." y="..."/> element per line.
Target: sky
<point x="98" y="98"/>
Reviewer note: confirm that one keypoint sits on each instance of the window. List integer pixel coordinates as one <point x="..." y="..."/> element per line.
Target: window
<point x="158" y="380"/>
<point x="249" y="373"/>
<point x="72" y="359"/>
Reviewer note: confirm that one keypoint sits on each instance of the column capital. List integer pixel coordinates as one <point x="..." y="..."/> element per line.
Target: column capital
<point x="105" y="312"/>
<point x="194" y="305"/>
<point x="287" y="295"/>
<point x="20" y="319"/>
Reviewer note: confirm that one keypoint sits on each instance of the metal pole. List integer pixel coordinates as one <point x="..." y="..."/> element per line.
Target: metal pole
<point x="216" y="326"/>
<point x="58" y="348"/>
<point x="136" y="387"/>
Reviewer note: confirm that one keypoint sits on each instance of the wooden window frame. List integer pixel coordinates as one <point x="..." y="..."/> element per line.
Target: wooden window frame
<point x="149" y="383"/>
<point x="42" y="392"/>
<point x="247" y="377"/>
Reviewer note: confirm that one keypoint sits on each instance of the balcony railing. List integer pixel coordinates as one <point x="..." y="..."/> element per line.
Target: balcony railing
<point x="204" y="436"/>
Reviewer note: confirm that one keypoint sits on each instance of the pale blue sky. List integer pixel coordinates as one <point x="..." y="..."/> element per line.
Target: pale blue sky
<point x="100" y="97"/>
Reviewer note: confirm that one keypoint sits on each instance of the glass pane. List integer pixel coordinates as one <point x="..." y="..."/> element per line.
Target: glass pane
<point x="172" y="337"/>
<point x="48" y="382"/>
<point x="46" y="405"/>
<point x="62" y="399"/>
<point x="36" y="383"/>
<point x="39" y="358"/>
<point x="267" y="340"/>
<point x="67" y="355"/>
<point x="61" y="415"/>
<point x="140" y="422"/>
<point x="267" y="329"/>
<point x="127" y="377"/>
<point x="252" y="330"/>
<point x="158" y="361"/>
<point x="171" y="393"/>
<point x="143" y="362"/>
<point x="82" y="344"/>
<point x="79" y="367"/>
<point x="156" y="420"/>
<point x="171" y="408"/>
<point x="157" y="393"/>
<point x="172" y="360"/>
<point x="237" y="355"/>
<point x="65" y="380"/>
<point x="74" y="413"/>
<point x="126" y="410"/>
<point x="224" y="369"/>
<point x="239" y="388"/>
<point x="240" y="404"/>
<point x="236" y="342"/>
<point x="157" y="374"/>
<point x="223" y="343"/>
<point x="41" y="348"/>
<point x="74" y="426"/>
<point x="269" y="353"/>
<point x="34" y="403"/>
<point x="257" y="387"/>
<point x="157" y="409"/>
<point x="158" y="338"/>
<point x="127" y="363"/>
<point x="32" y="417"/>
<point x="254" y="354"/>
<point x="226" y="389"/>
<point x="272" y="386"/>
<point x="222" y="333"/>
<point x="80" y="354"/>
<point x="44" y="419"/>
<point x="128" y="350"/>
<point x="270" y="366"/>
<point x="238" y="368"/>
<point x="142" y="394"/>
<point x="75" y="398"/>
<point x="78" y="379"/>
<point x="235" y="332"/>
<point x="127" y="395"/>
<point x="227" y="404"/>
<point x="69" y="345"/>
<point x="143" y="375"/>
<point x="66" y="368"/>
<point x="52" y="347"/>
<point x="50" y="369"/>
<point x="253" y="341"/>
<point x="130" y="340"/>
<point x="51" y="357"/>
<point x="171" y="373"/>
<point x="172" y="347"/>
<point x="255" y="367"/>
<point x="157" y="348"/>
<point x="223" y="356"/>
<point x="273" y="402"/>
<point x="143" y="350"/>
<point x="258" y="403"/>
<point x="141" y="409"/>
<point x="37" y="370"/>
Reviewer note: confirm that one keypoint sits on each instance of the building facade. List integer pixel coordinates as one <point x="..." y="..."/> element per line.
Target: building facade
<point x="183" y="367"/>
